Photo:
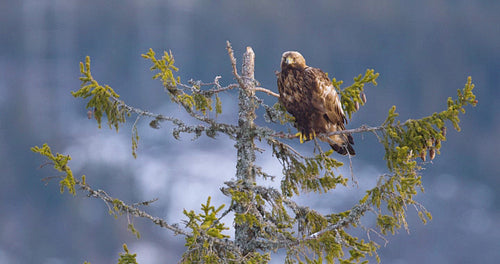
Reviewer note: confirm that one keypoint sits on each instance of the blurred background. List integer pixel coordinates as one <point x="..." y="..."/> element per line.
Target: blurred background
<point x="423" y="50"/>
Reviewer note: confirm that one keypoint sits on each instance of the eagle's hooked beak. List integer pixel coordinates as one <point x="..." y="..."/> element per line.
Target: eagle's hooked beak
<point x="289" y="60"/>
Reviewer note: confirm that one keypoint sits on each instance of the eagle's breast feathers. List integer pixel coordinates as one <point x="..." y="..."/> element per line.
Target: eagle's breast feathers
<point x="308" y="95"/>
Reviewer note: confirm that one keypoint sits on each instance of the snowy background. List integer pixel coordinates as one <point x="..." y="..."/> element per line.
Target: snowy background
<point x="423" y="50"/>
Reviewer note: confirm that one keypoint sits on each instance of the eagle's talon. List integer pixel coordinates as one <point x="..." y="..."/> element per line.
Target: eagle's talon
<point x="303" y="137"/>
<point x="312" y="135"/>
<point x="300" y="135"/>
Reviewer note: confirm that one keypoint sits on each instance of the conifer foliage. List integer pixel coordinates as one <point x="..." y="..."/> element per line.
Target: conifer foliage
<point x="267" y="219"/>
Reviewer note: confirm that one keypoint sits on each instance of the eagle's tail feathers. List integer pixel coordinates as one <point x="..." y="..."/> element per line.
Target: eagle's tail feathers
<point x="350" y="139"/>
<point x="344" y="149"/>
<point x="343" y="144"/>
<point x="350" y="149"/>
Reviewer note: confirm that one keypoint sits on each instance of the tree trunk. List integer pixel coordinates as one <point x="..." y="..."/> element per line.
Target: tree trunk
<point x="245" y="172"/>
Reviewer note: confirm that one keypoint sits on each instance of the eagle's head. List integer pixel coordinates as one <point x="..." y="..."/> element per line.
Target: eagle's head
<point x="292" y="59"/>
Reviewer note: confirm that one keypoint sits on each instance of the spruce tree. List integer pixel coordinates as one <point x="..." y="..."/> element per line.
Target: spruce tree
<point x="267" y="219"/>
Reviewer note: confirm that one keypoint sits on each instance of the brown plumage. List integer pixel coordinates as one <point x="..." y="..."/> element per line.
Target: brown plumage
<point x="310" y="97"/>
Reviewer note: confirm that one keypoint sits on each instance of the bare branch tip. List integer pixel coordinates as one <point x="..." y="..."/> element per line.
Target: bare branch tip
<point x="267" y="91"/>
<point x="233" y="59"/>
<point x="249" y="51"/>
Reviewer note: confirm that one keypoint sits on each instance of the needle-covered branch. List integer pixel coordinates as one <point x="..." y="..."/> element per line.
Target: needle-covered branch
<point x="104" y="100"/>
<point x="117" y="207"/>
<point x="413" y="138"/>
<point x="353" y="96"/>
<point x="120" y="207"/>
<point x="60" y="163"/>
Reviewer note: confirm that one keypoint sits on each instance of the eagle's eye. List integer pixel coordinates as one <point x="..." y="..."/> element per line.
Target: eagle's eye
<point x="289" y="60"/>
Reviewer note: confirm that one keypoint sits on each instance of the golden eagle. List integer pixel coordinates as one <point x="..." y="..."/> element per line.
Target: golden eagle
<point x="310" y="97"/>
